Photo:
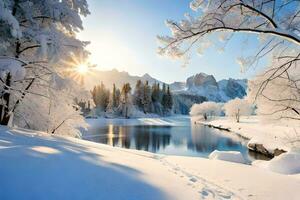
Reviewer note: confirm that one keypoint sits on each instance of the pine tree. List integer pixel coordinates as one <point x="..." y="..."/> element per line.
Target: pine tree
<point x="158" y="87"/>
<point x="164" y="88"/>
<point x="139" y="94"/>
<point x="114" y="100"/>
<point x="156" y="99"/>
<point x="94" y="95"/>
<point x="155" y="92"/>
<point x="147" y="101"/>
<point x="126" y="103"/>
<point x="170" y="99"/>
<point x="118" y="96"/>
<point x="167" y="101"/>
<point x="100" y="96"/>
<point x="114" y="97"/>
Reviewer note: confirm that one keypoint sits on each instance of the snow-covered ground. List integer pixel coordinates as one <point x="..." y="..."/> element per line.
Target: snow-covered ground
<point x="35" y="165"/>
<point x="271" y="134"/>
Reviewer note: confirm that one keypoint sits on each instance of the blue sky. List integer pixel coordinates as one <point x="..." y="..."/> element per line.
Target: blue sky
<point x="123" y="36"/>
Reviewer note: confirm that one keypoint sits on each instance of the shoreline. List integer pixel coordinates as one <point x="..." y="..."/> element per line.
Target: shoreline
<point x="259" y="141"/>
<point x="252" y="145"/>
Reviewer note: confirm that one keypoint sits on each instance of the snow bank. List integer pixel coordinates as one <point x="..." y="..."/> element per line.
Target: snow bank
<point x="287" y="163"/>
<point x="231" y="156"/>
<point x="272" y="135"/>
<point x="40" y="166"/>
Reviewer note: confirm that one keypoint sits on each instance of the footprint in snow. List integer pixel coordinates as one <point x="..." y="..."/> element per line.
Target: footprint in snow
<point x="225" y="196"/>
<point x="176" y="169"/>
<point x="207" y="192"/>
<point x="204" y="193"/>
<point x="193" y="179"/>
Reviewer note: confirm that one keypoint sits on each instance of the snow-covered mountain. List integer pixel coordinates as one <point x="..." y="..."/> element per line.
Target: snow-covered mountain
<point x="206" y="86"/>
<point x="202" y="85"/>
<point x="196" y="89"/>
<point x="178" y="86"/>
<point x="114" y="76"/>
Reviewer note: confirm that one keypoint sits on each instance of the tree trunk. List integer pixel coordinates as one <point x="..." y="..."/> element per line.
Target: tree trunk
<point x="126" y="112"/>
<point x="6" y="98"/>
<point x="237" y="116"/>
<point x="5" y="116"/>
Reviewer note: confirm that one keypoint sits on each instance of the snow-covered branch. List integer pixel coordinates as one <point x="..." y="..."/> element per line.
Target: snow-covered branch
<point x="277" y="23"/>
<point x="249" y="16"/>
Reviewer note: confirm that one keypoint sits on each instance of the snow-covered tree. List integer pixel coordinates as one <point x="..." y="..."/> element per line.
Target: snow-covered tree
<point x="164" y="88"/>
<point x="60" y="116"/>
<point x="115" y="96"/>
<point x="114" y="100"/>
<point x="138" y="95"/>
<point x="126" y="105"/>
<point x="237" y="108"/>
<point x="167" y="101"/>
<point x="206" y="109"/>
<point x="147" y="99"/>
<point x="100" y="95"/>
<point x="156" y="99"/>
<point x="38" y="39"/>
<point x="280" y="98"/>
<point x="155" y="92"/>
<point x="276" y="22"/>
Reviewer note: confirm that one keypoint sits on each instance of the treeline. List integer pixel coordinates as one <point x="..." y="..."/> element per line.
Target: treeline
<point x="127" y="102"/>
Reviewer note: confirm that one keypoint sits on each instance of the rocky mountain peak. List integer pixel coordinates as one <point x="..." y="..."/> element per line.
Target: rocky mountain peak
<point x="201" y="80"/>
<point x="147" y="76"/>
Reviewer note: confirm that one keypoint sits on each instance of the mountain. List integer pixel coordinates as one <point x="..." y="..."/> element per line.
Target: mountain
<point x="200" y="84"/>
<point x="206" y="86"/>
<point x="110" y="77"/>
<point x="232" y="88"/>
<point x="196" y="89"/>
<point x="201" y="80"/>
<point x="183" y="102"/>
<point x="177" y="86"/>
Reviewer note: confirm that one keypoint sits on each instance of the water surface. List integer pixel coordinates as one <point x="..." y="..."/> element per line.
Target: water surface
<point x="181" y="137"/>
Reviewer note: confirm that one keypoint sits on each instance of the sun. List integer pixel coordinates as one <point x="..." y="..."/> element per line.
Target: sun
<point x="78" y="68"/>
<point x="82" y="69"/>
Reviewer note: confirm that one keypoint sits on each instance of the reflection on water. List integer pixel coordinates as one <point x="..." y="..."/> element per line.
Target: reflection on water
<point x="189" y="140"/>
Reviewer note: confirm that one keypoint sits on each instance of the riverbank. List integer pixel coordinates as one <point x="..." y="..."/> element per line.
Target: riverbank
<point x="36" y="165"/>
<point x="270" y="139"/>
<point x="153" y="121"/>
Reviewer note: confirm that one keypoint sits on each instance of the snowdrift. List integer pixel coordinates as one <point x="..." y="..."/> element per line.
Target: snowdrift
<point x="287" y="163"/>
<point x="231" y="156"/>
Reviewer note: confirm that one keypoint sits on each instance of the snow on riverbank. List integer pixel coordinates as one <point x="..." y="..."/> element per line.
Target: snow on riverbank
<point x="39" y="166"/>
<point x="176" y="120"/>
<point x="287" y="163"/>
<point x="231" y="156"/>
<point x="271" y="135"/>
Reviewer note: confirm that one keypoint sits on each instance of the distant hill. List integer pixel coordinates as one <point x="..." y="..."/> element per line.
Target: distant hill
<point x="110" y="77"/>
